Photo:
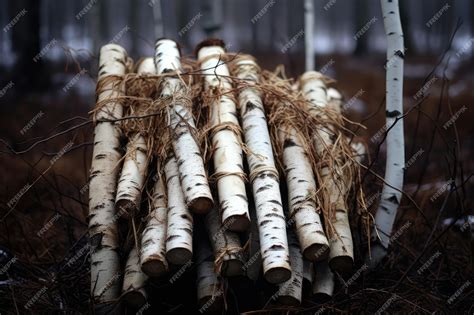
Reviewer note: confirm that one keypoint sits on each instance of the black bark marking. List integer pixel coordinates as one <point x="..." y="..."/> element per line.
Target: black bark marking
<point x="288" y="143"/>
<point x="392" y="114"/>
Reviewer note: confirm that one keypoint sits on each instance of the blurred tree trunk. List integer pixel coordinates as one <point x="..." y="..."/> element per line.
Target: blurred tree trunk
<point x="26" y="44"/>
<point x="253" y="8"/>
<point x="406" y="25"/>
<point x="133" y="18"/>
<point x="361" y="19"/>
<point x="212" y="17"/>
<point x="104" y="22"/>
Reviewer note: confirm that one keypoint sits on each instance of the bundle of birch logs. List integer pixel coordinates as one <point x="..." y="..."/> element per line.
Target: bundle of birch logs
<point x="216" y="162"/>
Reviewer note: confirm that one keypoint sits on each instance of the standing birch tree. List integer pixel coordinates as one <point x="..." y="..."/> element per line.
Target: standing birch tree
<point x="393" y="184"/>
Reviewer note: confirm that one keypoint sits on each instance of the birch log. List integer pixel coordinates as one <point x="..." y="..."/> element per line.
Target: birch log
<point x="291" y="291"/>
<point x="135" y="165"/>
<point x="226" y="246"/>
<point x="334" y="99"/>
<point x="179" y="240"/>
<point x="192" y="173"/>
<point x="105" y="263"/>
<point x="308" y="277"/>
<point x="393" y="180"/>
<point x="226" y="142"/>
<point x="134" y="281"/>
<point x="263" y="175"/>
<point x="323" y="284"/>
<point x="253" y="265"/>
<point x="153" y="243"/>
<point x="209" y="292"/>
<point x="341" y="254"/>
<point x="301" y="190"/>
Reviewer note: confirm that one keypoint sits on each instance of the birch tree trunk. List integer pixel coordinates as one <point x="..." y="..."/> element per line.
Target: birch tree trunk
<point x="153" y="243"/>
<point x="263" y="175"/>
<point x="179" y="240"/>
<point x="393" y="185"/>
<point x="135" y="165"/>
<point x="134" y="281"/>
<point x="209" y="285"/>
<point x="228" y="155"/>
<point x="301" y="191"/>
<point x="309" y="34"/>
<point x="192" y="173"/>
<point x="341" y="254"/>
<point x="105" y="263"/>
<point x="226" y="245"/>
<point x="291" y="291"/>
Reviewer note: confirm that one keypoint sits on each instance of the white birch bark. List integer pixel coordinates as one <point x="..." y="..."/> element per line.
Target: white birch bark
<point x="341" y="254"/>
<point x="153" y="243"/>
<point x="134" y="281"/>
<point x="208" y="282"/>
<point x="323" y="284"/>
<point x="105" y="263"/>
<point x="228" y="155"/>
<point x="264" y="176"/>
<point x="226" y="245"/>
<point x="309" y="34"/>
<point x="301" y="190"/>
<point x="291" y="291"/>
<point x="135" y="165"/>
<point x="179" y="240"/>
<point x="393" y="185"/>
<point x="192" y="173"/>
<point x="334" y="99"/>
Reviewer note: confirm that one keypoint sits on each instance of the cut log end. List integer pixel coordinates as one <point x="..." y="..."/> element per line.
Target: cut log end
<point x="237" y="223"/>
<point x="209" y="42"/>
<point x="277" y="275"/>
<point x="316" y="252"/>
<point x="106" y="308"/>
<point x="321" y="297"/>
<point x="210" y="304"/>
<point x="125" y="208"/>
<point x="288" y="300"/>
<point x="154" y="268"/>
<point x="134" y="298"/>
<point x="232" y="268"/>
<point x="179" y="256"/>
<point x="201" y="205"/>
<point x="341" y="264"/>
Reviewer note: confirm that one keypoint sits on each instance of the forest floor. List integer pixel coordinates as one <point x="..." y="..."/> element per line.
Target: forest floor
<point x="47" y="228"/>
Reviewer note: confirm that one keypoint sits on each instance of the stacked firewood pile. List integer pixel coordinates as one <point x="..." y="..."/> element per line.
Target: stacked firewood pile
<point x="241" y="171"/>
